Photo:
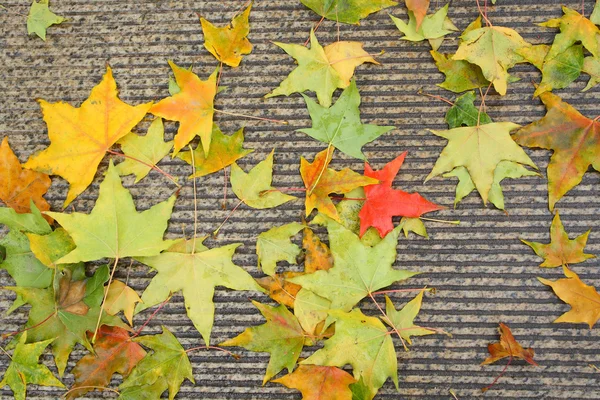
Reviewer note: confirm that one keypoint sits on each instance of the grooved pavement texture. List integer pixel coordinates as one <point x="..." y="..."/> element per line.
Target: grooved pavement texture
<point x="482" y="272"/>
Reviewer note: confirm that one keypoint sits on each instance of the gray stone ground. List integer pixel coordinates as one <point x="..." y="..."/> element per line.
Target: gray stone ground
<point x="483" y="274"/>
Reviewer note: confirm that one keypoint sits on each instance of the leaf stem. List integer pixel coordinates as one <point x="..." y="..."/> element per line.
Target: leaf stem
<point x="483" y="14"/>
<point x="90" y="387"/>
<point x="441" y="221"/>
<point x="314" y="30"/>
<point x="9" y="356"/>
<point x="6" y="335"/>
<point x="433" y="96"/>
<point x="154" y="167"/>
<point x="137" y="333"/>
<point x="485" y="389"/>
<point x="325" y="165"/>
<point x="432" y="290"/>
<point x="225" y="181"/>
<point x="387" y="319"/>
<point x="251" y="117"/>
<point x="110" y="279"/>
<point x="236" y="356"/>
<point x="216" y="231"/>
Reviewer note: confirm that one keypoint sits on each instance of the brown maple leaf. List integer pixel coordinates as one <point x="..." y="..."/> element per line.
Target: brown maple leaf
<point x="316" y="382"/>
<point x="507" y="347"/>
<point x="575" y="140"/>
<point x="320" y="181"/>
<point x="18" y="186"/>
<point x="561" y="250"/>
<point x="115" y="352"/>
<point x="70" y="295"/>
<point x="583" y="299"/>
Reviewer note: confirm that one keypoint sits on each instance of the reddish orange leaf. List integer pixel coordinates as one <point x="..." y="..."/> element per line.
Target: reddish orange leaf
<point x="508" y="347"/>
<point x="193" y="107"/>
<point x="115" y="353"/>
<point x="320" y="181"/>
<point x="19" y="186"/>
<point x="583" y="299"/>
<point x="419" y="9"/>
<point x="382" y="202"/>
<point x="280" y="289"/>
<point x="319" y="383"/>
<point x="575" y="140"/>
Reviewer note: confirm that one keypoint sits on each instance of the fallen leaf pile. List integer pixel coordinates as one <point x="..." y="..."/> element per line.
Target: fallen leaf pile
<point x="63" y="262"/>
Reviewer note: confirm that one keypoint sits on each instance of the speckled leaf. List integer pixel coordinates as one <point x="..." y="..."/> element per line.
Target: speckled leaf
<point x="347" y="11"/>
<point x="275" y="245"/>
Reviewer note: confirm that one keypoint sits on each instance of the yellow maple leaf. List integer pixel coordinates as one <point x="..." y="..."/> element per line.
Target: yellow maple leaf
<point x="193" y="107"/>
<point x="228" y="43"/>
<point x="345" y="56"/>
<point x="80" y="136"/>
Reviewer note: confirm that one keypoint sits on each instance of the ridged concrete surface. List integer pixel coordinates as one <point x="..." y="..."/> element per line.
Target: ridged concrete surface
<point x="482" y="272"/>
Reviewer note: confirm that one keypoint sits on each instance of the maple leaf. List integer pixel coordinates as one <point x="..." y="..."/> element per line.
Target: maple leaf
<point x="595" y="16"/>
<point x="321" y="70"/>
<point x="24" y="368"/>
<point x="574" y="28"/>
<point x="358" y="269"/>
<point x="145" y="392"/>
<point x="281" y="336"/>
<point x="192" y="106"/>
<point x="224" y="151"/>
<point x="30" y="222"/>
<point x="317" y="255"/>
<point x="433" y="28"/>
<point x="345" y="56"/>
<point x="583" y="299"/>
<point x="280" y="288"/>
<point x="493" y="49"/>
<point x="114" y="352"/>
<point x="18" y="186"/>
<point x="121" y="297"/>
<point x="561" y="250"/>
<point x="66" y="312"/>
<point x="228" y="43"/>
<point x="41" y="18"/>
<point x="311" y="311"/>
<point x="254" y="188"/>
<point x="196" y="275"/>
<point x="464" y="113"/>
<point x="51" y="247"/>
<point x="479" y="149"/>
<point x="150" y="149"/>
<point x="460" y="75"/>
<point x="80" y="137"/>
<point x="112" y="229"/>
<point x="403" y="320"/>
<point x="319" y="383"/>
<point x="591" y="66"/>
<point x="574" y="139"/>
<point x="340" y="125"/>
<point x="347" y="11"/>
<point x="508" y="347"/>
<point x="364" y="343"/>
<point x="275" y="245"/>
<point x="557" y="72"/>
<point x="419" y="9"/>
<point x="168" y="361"/>
<point x="320" y="181"/>
<point x="382" y="202"/>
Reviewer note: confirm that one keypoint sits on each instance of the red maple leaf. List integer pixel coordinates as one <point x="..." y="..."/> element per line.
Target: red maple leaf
<point x="382" y="202"/>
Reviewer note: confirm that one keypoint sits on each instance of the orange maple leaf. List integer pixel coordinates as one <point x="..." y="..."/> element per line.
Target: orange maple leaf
<point x="18" y="186"/>
<point x="193" y="107"/>
<point x="583" y="299"/>
<point x="419" y="9"/>
<point x="316" y="382"/>
<point x="320" y="181"/>
<point x="80" y="137"/>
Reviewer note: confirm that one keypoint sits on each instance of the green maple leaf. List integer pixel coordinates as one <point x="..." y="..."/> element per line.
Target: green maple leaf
<point x="358" y="269"/>
<point x="167" y="362"/>
<point x="66" y="312"/>
<point x="347" y="11"/>
<point x="340" y="124"/>
<point x="493" y="49"/>
<point x="314" y="72"/>
<point x="281" y="336"/>
<point x="144" y="392"/>
<point x="196" y="275"/>
<point x="479" y="149"/>
<point x="254" y="188"/>
<point x="311" y="310"/>
<point x="224" y="151"/>
<point x="41" y="18"/>
<point x="150" y="149"/>
<point x="557" y="72"/>
<point x="364" y="343"/>
<point x="434" y="26"/>
<point x="112" y="229"/>
<point x="561" y="250"/>
<point x="591" y="66"/>
<point x="24" y="368"/>
<point x="403" y="320"/>
<point x="275" y="245"/>
<point x="32" y="222"/>
<point x="574" y="28"/>
<point x="460" y="75"/>
<point x="464" y="112"/>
